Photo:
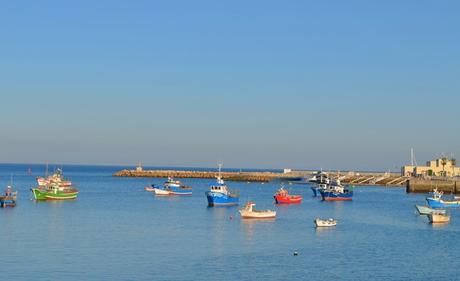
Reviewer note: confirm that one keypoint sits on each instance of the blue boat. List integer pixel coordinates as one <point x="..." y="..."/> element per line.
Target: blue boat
<point x="317" y="189"/>
<point x="8" y="199"/>
<point x="337" y="193"/>
<point x="172" y="187"/>
<point x="436" y="201"/>
<point x="220" y="195"/>
<point x="320" y="181"/>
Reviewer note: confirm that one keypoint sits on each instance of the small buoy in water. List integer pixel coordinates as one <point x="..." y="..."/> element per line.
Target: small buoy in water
<point x="296" y="253"/>
<point x="231" y="217"/>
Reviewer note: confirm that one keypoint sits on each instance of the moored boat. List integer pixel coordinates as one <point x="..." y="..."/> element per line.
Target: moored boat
<point x="8" y="199"/>
<point x="425" y="210"/>
<point x="320" y="182"/>
<point x="317" y="188"/>
<point x="325" y="223"/>
<point x="220" y="195"/>
<point x="282" y="196"/>
<point x="56" y="178"/>
<point x="172" y="187"/>
<point x="337" y="192"/>
<point x="436" y="201"/>
<point x="54" y="192"/>
<point x="248" y="212"/>
<point x="438" y="218"/>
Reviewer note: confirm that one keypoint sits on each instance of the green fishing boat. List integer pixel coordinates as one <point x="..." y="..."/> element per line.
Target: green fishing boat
<point x="54" y="192"/>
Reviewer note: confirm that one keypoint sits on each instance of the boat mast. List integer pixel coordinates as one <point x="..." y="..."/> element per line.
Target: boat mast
<point x="412" y="158"/>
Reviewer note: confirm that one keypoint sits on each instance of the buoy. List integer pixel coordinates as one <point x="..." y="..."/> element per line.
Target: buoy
<point x="230" y="217"/>
<point x="296" y="253"/>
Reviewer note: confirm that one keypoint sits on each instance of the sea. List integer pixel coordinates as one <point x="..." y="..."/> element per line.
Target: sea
<point x="115" y="230"/>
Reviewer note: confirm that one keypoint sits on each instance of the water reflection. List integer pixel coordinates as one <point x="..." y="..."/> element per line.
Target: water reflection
<point x="250" y="225"/>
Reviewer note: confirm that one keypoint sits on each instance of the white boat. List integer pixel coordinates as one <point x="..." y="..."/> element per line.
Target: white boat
<point x="248" y="212"/>
<point x="425" y="210"/>
<point x="325" y="223"/>
<point x="438" y="218"/>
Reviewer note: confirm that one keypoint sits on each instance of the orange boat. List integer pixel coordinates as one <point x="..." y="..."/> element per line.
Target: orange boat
<point x="282" y="197"/>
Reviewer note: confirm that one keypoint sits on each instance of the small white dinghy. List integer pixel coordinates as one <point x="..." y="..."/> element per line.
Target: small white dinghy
<point x="325" y="223"/>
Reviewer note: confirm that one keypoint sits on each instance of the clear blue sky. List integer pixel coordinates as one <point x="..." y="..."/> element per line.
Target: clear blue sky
<point x="267" y="84"/>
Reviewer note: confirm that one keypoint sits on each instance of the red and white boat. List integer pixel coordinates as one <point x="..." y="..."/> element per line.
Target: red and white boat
<point x="56" y="178"/>
<point x="282" y="196"/>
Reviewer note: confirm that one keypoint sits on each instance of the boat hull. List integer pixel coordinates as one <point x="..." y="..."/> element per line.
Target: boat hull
<point x="219" y="199"/>
<point x="258" y="215"/>
<point x="290" y="199"/>
<point x="49" y="195"/>
<point x="333" y="196"/>
<point x="172" y="192"/>
<point x="425" y="210"/>
<point x="439" y="203"/>
<point x="6" y="201"/>
<point x="438" y="218"/>
<point x="325" y="223"/>
<point x="315" y="191"/>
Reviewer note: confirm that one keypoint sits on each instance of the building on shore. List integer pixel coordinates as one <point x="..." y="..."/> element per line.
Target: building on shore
<point x="441" y="167"/>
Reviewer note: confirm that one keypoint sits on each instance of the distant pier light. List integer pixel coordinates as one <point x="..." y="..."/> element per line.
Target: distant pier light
<point x="139" y="167"/>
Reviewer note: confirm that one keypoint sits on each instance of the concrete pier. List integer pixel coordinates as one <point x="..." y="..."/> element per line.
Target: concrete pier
<point x="420" y="185"/>
<point x="375" y="178"/>
<point x="232" y="176"/>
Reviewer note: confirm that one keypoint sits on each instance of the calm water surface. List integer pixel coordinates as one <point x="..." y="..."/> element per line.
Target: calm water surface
<point x="117" y="231"/>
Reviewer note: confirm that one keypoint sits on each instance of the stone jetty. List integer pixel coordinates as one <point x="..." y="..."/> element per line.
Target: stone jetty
<point x="425" y="185"/>
<point x="378" y="179"/>
<point x="232" y="176"/>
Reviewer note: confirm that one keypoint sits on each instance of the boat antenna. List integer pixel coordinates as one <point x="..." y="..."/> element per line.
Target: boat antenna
<point x="46" y="169"/>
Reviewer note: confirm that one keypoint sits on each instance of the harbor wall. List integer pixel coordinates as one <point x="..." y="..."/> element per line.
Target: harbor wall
<point x="233" y="176"/>
<point x="377" y="179"/>
<point x="417" y="185"/>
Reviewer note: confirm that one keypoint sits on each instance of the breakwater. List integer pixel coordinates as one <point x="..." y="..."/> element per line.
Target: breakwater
<point x="446" y="185"/>
<point x="378" y="179"/>
<point x="232" y="176"/>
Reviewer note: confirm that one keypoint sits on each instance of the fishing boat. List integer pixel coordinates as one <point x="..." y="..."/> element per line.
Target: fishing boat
<point x="425" y="210"/>
<point x="56" y="178"/>
<point x="438" y="218"/>
<point x="320" y="181"/>
<point x="337" y="192"/>
<point x="172" y="187"/>
<point x="8" y="199"/>
<point x="248" y="212"/>
<point x="436" y="201"/>
<point x="220" y="195"/>
<point x="54" y="192"/>
<point x="282" y="196"/>
<point x="325" y="223"/>
<point x="317" y="188"/>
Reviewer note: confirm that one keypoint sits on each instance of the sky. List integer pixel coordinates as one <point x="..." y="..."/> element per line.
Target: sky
<point x="339" y="85"/>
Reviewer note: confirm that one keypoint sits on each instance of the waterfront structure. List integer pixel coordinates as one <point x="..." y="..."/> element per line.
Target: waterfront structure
<point x="438" y="167"/>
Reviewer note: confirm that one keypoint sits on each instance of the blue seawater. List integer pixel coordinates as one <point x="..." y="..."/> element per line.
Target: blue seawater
<point x="117" y="231"/>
